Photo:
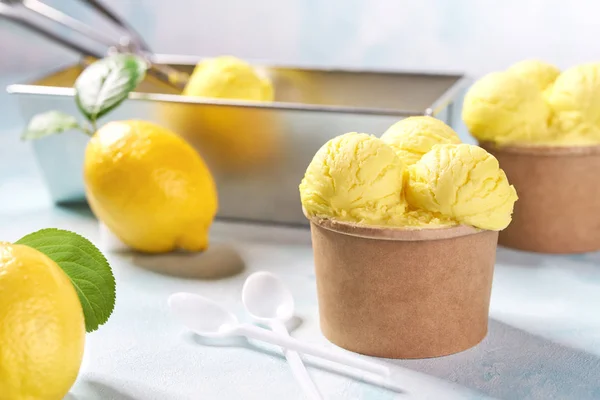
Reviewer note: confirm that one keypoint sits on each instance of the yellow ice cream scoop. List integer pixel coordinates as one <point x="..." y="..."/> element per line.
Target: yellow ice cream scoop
<point x="233" y="139"/>
<point x="354" y="177"/>
<point x="414" y="136"/>
<point x="414" y="218"/>
<point x="462" y="182"/>
<point x="537" y="72"/>
<point x="502" y="107"/>
<point x="228" y="77"/>
<point x="575" y="102"/>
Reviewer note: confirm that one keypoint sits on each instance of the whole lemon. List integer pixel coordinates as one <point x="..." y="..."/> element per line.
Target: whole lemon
<point x="149" y="187"/>
<point x="42" y="328"/>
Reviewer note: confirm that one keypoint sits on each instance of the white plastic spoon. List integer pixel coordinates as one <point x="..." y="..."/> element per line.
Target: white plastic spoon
<point x="268" y="300"/>
<point x="208" y="318"/>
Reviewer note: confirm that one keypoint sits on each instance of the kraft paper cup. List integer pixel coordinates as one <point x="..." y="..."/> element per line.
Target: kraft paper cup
<point x="558" y="210"/>
<point x="399" y="293"/>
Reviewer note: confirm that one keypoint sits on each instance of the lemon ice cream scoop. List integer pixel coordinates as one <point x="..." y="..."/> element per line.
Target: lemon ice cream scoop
<point x="502" y="107"/>
<point x="414" y="218"/>
<point x="228" y="77"/>
<point x="354" y="177"/>
<point x="414" y="136"/>
<point x="233" y="139"/>
<point x="537" y="72"/>
<point x="575" y="101"/>
<point x="462" y="182"/>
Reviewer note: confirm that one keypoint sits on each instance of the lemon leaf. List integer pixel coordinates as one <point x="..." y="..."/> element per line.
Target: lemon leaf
<point x="106" y="83"/>
<point x="85" y="265"/>
<point x="49" y="123"/>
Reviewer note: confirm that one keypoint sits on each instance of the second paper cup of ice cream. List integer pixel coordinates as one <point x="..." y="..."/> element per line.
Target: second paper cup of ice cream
<point x="558" y="210"/>
<point x="395" y="280"/>
<point x="542" y="126"/>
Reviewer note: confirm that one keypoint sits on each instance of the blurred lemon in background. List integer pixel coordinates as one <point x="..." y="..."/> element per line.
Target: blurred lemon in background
<point x="149" y="187"/>
<point x="42" y="328"/>
<point x="232" y="138"/>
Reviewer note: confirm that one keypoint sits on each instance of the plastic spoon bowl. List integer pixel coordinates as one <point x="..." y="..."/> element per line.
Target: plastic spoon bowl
<point x="203" y="316"/>
<point x="268" y="300"/>
<point x="208" y="318"/>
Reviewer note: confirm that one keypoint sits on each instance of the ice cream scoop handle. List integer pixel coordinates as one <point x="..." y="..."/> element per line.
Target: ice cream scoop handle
<point x="264" y="335"/>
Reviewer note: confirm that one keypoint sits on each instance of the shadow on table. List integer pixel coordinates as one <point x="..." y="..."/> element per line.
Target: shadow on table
<point x="518" y="257"/>
<point x="582" y="266"/>
<point x="513" y="364"/>
<point x="217" y="262"/>
<point x="79" y="208"/>
<point x="529" y="259"/>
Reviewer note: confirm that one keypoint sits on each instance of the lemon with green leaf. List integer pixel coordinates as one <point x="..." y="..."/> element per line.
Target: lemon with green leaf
<point x="54" y="285"/>
<point x="147" y="184"/>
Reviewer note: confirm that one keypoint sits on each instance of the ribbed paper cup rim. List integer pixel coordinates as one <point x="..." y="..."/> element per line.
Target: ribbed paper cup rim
<point x="542" y="151"/>
<point x="393" y="233"/>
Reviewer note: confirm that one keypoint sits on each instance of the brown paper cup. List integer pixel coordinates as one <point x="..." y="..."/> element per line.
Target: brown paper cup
<point x="558" y="210"/>
<point x="399" y="293"/>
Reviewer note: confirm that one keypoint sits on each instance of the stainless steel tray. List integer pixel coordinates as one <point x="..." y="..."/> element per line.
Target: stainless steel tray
<point x="258" y="152"/>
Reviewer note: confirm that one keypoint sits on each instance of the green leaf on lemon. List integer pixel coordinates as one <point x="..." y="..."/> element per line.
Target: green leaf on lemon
<point x="49" y="123"/>
<point x="107" y="82"/>
<point x="85" y="265"/>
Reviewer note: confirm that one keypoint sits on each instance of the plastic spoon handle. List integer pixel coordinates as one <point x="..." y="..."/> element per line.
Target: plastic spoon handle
<point x="297" y="365"/>
<point x="264" y="335"/>
<point x="377" y="380"/>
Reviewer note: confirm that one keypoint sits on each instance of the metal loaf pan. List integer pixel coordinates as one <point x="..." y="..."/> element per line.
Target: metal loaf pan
<point x="258" y="152"/>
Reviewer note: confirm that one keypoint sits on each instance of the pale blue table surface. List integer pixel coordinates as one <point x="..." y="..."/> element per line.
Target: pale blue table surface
<point x="543" y="343"/>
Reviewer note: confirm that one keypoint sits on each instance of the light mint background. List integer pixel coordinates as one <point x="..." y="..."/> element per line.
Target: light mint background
<point x="436" y="35"/>
<point x="544" y="340"/>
